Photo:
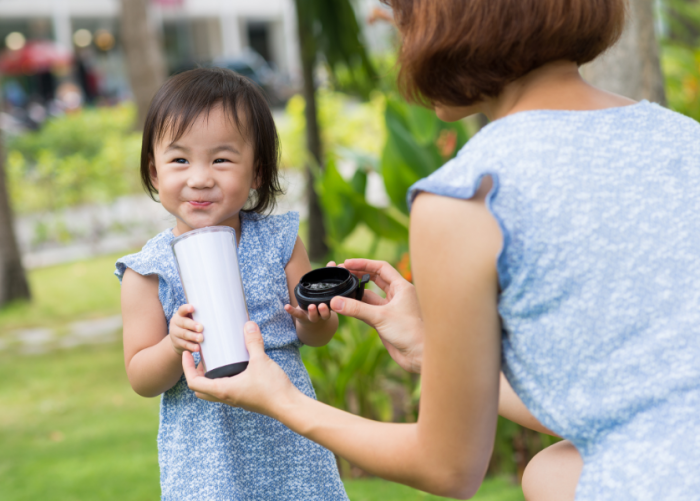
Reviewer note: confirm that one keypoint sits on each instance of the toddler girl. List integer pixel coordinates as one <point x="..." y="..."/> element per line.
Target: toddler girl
<point x="210" y="153"/>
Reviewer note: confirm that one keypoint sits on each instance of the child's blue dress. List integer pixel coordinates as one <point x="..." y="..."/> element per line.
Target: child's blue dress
<point x="210" y="451"/>
<point x="600" y="285"/>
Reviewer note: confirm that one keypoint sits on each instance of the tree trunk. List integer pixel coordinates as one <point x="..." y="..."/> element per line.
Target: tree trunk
<point x="144" y="58"/>
<point x="317" y="231"/>
<point x="631" y="68"/>
<point x="13" y="282"/>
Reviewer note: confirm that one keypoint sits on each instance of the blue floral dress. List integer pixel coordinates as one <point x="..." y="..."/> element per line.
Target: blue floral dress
<point x="600" y="285"/>
<point x="210" y="451"/>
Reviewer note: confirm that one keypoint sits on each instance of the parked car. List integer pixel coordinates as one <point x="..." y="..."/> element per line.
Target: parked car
<point x="252" y="65"/>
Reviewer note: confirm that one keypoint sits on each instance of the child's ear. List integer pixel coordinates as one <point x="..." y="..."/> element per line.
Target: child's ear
<point x="256" y="181"/>
<point x="153" y="174"/>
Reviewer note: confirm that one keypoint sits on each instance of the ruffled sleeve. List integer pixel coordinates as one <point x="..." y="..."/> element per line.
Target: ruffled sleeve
<point x="154" y="259"/>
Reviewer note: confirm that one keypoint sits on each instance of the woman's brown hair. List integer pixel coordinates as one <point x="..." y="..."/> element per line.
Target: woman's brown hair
<point x="184" y="97"/>
<point x="457" y="52"/>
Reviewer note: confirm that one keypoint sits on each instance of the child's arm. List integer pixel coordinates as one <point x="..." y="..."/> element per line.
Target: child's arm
<point x="153" y="358"/>
<point x="317" y="326"/>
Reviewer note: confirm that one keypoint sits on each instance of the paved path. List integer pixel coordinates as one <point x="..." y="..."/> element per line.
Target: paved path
<point x="41" y="339"/>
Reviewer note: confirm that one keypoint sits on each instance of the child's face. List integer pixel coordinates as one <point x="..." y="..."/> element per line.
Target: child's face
<point x="204" y="177"/>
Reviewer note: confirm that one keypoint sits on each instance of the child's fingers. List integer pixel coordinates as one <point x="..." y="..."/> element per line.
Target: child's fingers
<point x="187" y="324"/>
<point x="324" y="311"/>
<point x="186" y="334"/>
<point x="330" y="264"/>
<point x="295" y="312"/>
<point x="185" y="310"/>
<point x="181" y="345"/>
<point x="313" y="313"/>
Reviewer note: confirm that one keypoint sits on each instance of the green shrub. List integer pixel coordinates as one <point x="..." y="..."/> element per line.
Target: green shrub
<point x="345" y="123"/>
<point x="85" y="157"/>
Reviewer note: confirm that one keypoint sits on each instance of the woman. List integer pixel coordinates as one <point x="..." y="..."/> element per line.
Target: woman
<point x="561" y="245"/>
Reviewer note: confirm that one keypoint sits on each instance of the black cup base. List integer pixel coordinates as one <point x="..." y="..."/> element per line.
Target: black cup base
<point x="227" y="370"/>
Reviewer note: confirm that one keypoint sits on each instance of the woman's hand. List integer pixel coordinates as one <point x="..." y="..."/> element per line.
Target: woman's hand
<point x="397" y="318"/>
<point x="263" y="387"/>
<point x="185" y="333"/>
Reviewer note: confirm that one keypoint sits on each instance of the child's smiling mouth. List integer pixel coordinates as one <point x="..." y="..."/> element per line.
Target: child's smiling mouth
<point x="200" y="205"/>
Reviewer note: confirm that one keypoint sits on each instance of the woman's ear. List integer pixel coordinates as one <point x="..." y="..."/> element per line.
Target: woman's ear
<point x="153" y="173"/>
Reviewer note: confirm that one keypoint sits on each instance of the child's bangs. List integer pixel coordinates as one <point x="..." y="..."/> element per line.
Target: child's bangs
<point x="179" y="116"/>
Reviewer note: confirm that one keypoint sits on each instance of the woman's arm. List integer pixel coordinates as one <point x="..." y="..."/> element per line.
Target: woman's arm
<point x="316" y="326"/>
<point x="152" y="364"/>
<point x="454" y="246"/>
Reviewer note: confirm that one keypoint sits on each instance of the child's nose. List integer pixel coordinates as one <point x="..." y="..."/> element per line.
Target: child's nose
<point x="200" y="178"/>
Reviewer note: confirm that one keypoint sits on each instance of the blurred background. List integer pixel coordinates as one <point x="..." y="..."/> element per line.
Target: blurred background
<point x="76" y="78"/>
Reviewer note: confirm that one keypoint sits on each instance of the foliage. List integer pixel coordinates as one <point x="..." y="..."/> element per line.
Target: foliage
<point x="84" y="157"/>
<point x="336" y="34"/>
<point x="418" y="143"/>
<point x="681" y="57"/>
<point x="345" y="123"/>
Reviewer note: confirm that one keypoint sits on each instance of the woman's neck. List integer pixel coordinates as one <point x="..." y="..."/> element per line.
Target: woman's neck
<point x="554" y="86"/>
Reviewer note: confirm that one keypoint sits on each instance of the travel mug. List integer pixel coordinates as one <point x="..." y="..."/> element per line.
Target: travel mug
<point x="207" y="260"/>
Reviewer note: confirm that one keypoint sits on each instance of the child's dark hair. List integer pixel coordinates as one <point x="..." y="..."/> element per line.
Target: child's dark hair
<point x="184" y="97"/>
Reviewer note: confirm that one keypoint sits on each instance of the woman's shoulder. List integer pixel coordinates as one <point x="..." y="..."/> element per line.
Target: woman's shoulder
<point x="150" y="259"/>
<point x="533" y="146"/>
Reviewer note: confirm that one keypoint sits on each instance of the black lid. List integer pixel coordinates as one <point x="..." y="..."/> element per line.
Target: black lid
<point x="321" y="285"/>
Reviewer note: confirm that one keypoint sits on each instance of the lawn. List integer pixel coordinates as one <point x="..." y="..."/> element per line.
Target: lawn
<point x="65" y="293"/>
<point x="71" y="428"/>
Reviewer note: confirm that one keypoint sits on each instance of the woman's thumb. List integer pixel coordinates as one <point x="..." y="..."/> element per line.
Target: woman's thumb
<point x="253" y="339"/>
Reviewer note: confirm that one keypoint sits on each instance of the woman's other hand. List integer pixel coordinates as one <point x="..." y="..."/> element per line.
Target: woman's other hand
<point x="397" y="318"/>
<point x="263" y="387"/>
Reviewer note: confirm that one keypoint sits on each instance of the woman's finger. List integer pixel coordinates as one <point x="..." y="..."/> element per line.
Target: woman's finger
<point x="371" y="297"/>
<point x="195" y="377"/>
<point x="384" y="271"/>
<point x="204" y="396"/>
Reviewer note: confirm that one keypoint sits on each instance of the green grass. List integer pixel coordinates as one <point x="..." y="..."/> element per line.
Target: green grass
<point x="65" y="293"/>
<point x="71" y="428"/>
<point x="493" y="489"/>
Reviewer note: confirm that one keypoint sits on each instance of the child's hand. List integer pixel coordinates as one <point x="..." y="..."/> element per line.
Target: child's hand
<point x="185" y="333"/>
<point x="312" y="316"/>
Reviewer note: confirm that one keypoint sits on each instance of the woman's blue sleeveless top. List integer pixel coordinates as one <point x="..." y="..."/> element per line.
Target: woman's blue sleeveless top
<point x="600" y="285"/>
<point x="210" y="451"/>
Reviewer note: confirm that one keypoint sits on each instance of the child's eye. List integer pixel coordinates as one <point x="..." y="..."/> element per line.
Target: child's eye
<point x="180" y="161"/>
<point x="221" y="160"/>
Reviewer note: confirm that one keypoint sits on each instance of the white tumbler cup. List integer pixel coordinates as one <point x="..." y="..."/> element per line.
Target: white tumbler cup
<point x="207" y="260"/>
